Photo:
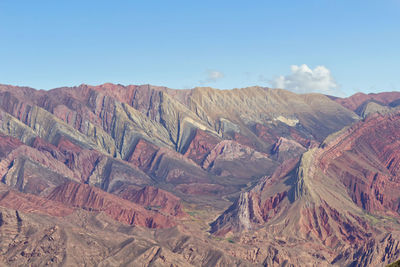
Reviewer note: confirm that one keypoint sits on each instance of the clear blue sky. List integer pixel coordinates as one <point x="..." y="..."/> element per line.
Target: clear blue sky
<point x="47" y="44"/>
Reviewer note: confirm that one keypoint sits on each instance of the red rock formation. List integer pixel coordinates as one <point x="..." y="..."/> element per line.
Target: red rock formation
<point x="8" y="144"/>
<point x="270" y="205"/>
<point x="366" y="159"/>
<point x="200" y="145"/>
<point x="94" y="199"/>
<point x="143" y="155"/>
<point x="355" y="101"/>
<point x="266" y="134"/>
<point x="123" y="139"/>
<point x="244" y="140"/>
<point x="32" y="171"/>
<point x="324" y="198"/>
<point x="303" y="140"/>
<point x="81" y="161"/>
<point x="271" y="134"/>
<point x="154" y="198"/>
<point x="31" y="203"/>
<point x="259" y="205"/>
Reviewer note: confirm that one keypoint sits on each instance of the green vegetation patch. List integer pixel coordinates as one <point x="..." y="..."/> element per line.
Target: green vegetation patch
<point x="394" y="264"/>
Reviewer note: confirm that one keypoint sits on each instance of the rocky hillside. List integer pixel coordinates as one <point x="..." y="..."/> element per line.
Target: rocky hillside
<point x="365" y="104"/>
<point x="184" y="141"/>
<point x="148" y="175"/>
<point x="341" y="199"/>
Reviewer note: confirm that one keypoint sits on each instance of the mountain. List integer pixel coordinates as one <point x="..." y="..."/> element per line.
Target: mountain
<point x="183" y="133"/>
<point x="365" y="104"/>
<point x="341" y="200"/>
<point x="147" y="175"/>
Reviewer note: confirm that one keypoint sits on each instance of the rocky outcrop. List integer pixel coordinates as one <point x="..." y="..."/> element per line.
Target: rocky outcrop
<point x="113" y="117"/>
<point x="259" y="205"/>
<point x="359" y="102"/>
<point x="335" y="198"/>
<point x="93" y="199"/>
<point x="229" y="158"/>
<point x="365" y="159"/>
<point x="154" y="199"/>
<point x="85" y="238"/>
<point x="370" y="107"/>
<point x="30" y="203"/>
<point x="38" y="168"/>
<point x="151" y="127"/>
<point x="97" y="160"/>
<point x="285" y="149"/>
<point x="30" y="171"/>
<point x="166" y="165"/>
<point x="263" y="105"/>
<point x="199" y="146"/>
<point x="143" y="155"/>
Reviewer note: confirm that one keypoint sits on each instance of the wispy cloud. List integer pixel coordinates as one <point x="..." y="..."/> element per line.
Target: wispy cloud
<point x="212" y="76"/>
<point x="303" y="79"/>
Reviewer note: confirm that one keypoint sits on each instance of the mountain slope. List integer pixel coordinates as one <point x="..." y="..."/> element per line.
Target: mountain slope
<point x="341" y="199"/>
<point x="135" y="175"/>
<point x="364" y="104"/>
<point x="122" y="121"/>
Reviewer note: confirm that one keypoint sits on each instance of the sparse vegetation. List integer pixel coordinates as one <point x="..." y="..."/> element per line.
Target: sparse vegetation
<point x="230" y="240"/>
<point x="394" y="264"/>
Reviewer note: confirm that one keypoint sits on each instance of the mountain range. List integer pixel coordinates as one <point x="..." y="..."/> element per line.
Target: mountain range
<point x="115" y="175"/>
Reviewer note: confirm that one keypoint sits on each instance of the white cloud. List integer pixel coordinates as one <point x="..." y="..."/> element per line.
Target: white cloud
<point x="212" y="77"/>
<point x="305" y="80"/>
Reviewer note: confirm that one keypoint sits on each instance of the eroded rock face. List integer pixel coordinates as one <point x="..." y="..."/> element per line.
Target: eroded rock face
<point x="31" y="171"/>
<point x="358" y="102"/>
<point x="113" y="117"/>
<point x="151" y="127"/>
<point x="257" y="206"/>
<point x="30" y="203"/>
<point x="229" y="158"/>
<point x="113" y="175"/>
<point x="285" y="149"/>
<point x="200" y="145"/>
<point x="332" y="199"/>
<point x="154" y="198"/>
<point x="93" y="199"/>
<point x="143" y="155"/>
<point x="367" y="161"/>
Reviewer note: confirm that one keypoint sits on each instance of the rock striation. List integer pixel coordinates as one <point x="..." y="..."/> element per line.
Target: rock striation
<point x="365" y="104"/>
<point x="94" y="199"/>
<point x="114" y="175"/>
<point x="333" y="199"/>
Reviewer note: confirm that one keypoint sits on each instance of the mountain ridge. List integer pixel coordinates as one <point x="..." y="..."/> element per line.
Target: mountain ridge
<point x="242" y="177"/>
